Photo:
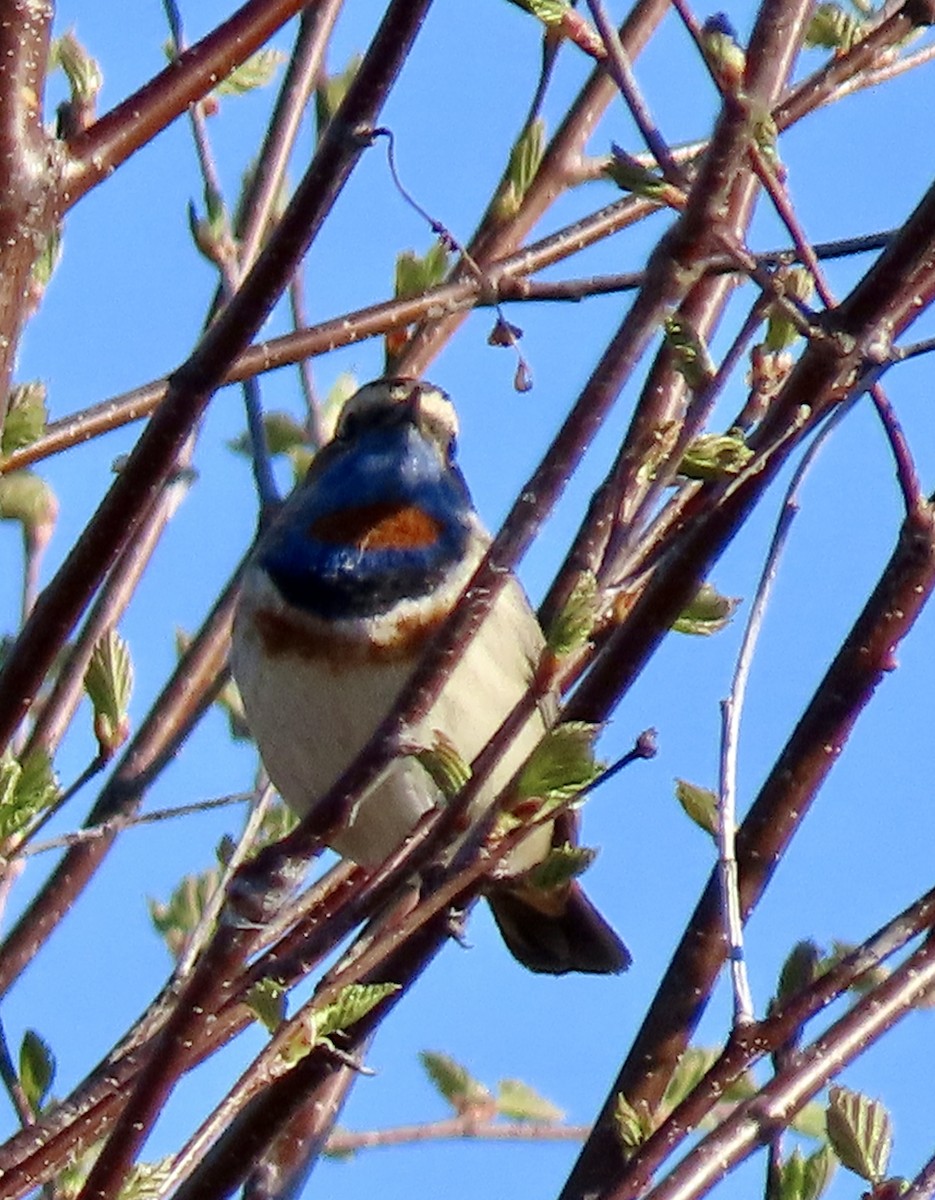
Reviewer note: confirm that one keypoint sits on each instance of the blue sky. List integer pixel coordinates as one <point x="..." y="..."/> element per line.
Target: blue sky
<point x="126" y="306"/>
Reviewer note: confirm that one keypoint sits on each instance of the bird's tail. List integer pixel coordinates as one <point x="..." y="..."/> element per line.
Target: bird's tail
<point x="556" y="931"/>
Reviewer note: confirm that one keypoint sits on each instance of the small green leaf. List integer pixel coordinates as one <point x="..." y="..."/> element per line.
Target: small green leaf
<point x="691" y="1068"/>
<point x="254" y="72"/>
<point x="267" y="1000"/>
<point x="353" y="1003"/>
<point x="810" y="1122"/>
<point x="562" y="764"/>
<point x="629" y="174"/>
<point x="83" y="73"/>
<point x="633" y="1124"/>
<point x="699" y="803"/>
<point x="692" y="360"/>
<point x="574" y="624"/>
<point x="819" y="1169"/>
<point x="330" y="93"/>
<point x="26" y="416"/>
<point x="462" y="1091"/>
<point x="833" y="28"/>
<point x="27" y="787"/>
<point x="108" y="682"/>
<point x="549" y="12"/>
<point x="801" y="968"/>
<point x="26" y="498"/>
<point x="861" y="1133"/>
<point x="725" y="55"/>
<point x="520" y="1102"/>
<point x="560" y="866"/>
<point x="715" y="456"/>
<point x="177" y="918"/>
<point x="798" y="285"/>
<point x="525" y="158"/>
<point x="146" y="1181"/>
<point x="415" y="274"/>
<point x="707" y="613"/>
<point x="36" y="1068"/>
<point x="448" y="770"/>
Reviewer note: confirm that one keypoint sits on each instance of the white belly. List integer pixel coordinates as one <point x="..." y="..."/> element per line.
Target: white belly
<point x="310" y="719"/>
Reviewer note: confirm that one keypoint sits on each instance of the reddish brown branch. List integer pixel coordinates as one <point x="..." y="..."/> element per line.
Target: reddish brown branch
<point x="102" y="147"/>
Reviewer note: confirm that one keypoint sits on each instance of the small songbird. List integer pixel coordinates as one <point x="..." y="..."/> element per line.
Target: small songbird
<point x="339" y="600"/>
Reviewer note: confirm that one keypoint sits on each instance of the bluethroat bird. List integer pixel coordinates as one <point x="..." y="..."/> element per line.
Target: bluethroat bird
<point x="340" y="598"/>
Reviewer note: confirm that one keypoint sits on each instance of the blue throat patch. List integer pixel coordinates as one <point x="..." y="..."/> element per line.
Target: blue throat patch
<point x="379" y="520"/>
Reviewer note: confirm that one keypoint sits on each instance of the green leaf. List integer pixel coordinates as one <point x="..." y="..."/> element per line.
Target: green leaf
<point x="699" y="803"/>
<point x="715" y="456"/>
<point x="707" y="613"/>
<point x="267" y="1000"/>
<point x="26" y="416"/>
<point x="860" y="1131"/>
<point x="562" y="764"/>
<point x="520" y="1102"/>
<point x="177" y="918"/>
<point x="691" y="1068"/>
<point x="330" y="93"/>
<point x="255" y="72"/>
<point x="549" y="12"/>
<point x="448" y="770"/>
<point x="573" y="625"/>
<point x="26" y="498"/>
<point x="801" y="968"/>
<point x="146" y="1181"/>
<point x="36" y="1068"/>
<point x="692" y="360"/>
<point x="834" y="28"/>
<point x="525" y="158"/>
<point x="629" y="174"/>
<point x="798" y="284"/>
<point x="810" y="1122"/>
<point x="84" y="75"/>
<point x="415" y="274"/>
<point x="352" y="1003"/>
<point x="108" y="682"/>
<point x="27" y="787"/>
<point x="454" y="1081"/>
<point x="633" y="1124"/>
<point x="802" y="1178"/>
<point x="560" y="866"/>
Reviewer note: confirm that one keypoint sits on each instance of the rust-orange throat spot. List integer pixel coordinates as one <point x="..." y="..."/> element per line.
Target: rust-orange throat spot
<point x="378" y="527"/>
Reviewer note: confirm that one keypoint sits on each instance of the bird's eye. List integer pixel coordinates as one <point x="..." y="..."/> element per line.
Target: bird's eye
<point x="348" y="426"/>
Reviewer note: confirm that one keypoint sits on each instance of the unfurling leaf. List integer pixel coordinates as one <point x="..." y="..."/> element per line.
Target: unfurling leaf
<point x="560" y="866"/>
<point x="27" y="787"/>
<point x="108" y="682"/>
<point x="834" y="28"/>
<point x="802" y="1178"/>
<point x="458" y="1086"/>
<point x="525" y="158"/>
<point x="330" y="93"/>
<point x="715" y="456"/>
<point x="860" y="1131"/>
<point x="267" y="1000"/>
<point x="629" y="174"/>
<point x="27" y="498"/>
<point x="724" y="53"/>
<point x="352" y="1003"/>
<point x="573" y="625"/>
<point x="176" y="919"/>
<point x="562" y="764"/>
<point x="26" y="416"/>
<point x="802" y="967"/>
<point x="707" y="613"/>
<point x="415" y="275"/>
<point x="692" y="360"/>
<point x="633" y="1124"/>
<point x="520" y="1102"/>
<point x="254" y="72"/>
<point x="699" y="803"/>
<point x="448" y="770"/>
<point x="798" y="286"/>
<point x="36" y="1068"/>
